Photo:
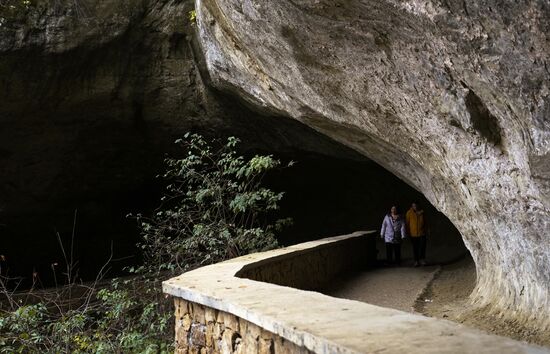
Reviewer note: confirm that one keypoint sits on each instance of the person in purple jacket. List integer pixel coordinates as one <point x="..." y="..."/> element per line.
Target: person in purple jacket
<point x="393" y="231"/>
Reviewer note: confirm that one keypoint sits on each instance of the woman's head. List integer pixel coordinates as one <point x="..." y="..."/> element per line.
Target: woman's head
<point x="394" y="210"/>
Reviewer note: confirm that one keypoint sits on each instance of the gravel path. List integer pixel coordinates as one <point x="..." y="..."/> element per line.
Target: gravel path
<point x="394" y="287"/>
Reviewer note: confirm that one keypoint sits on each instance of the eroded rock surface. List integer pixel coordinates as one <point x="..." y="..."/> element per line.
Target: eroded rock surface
<point x="453" y="97"/>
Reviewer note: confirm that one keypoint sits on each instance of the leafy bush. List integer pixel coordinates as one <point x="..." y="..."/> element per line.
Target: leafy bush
<point x="117" y="321"/>
<point x="215" y="208"/>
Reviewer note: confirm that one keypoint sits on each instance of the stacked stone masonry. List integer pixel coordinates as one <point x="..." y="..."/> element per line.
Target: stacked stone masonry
<point x="203" y="330"/>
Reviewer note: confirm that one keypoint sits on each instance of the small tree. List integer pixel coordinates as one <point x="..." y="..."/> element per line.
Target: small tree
<point x="215" y="208"/>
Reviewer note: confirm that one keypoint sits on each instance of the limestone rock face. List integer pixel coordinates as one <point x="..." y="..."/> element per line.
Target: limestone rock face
<point x="453" y="97"/>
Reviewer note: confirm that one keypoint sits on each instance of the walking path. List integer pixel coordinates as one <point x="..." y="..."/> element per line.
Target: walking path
<point x="434" y="291"/>
<point x="393" y="287"/>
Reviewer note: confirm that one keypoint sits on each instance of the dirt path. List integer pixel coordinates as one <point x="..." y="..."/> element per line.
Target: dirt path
<point x="395" y="287"/>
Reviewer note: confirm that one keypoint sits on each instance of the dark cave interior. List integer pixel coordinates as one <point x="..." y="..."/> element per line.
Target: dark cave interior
<point x="325" y="196"/>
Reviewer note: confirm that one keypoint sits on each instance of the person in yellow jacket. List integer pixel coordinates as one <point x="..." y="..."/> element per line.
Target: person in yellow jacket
<point x="417" y="227"/>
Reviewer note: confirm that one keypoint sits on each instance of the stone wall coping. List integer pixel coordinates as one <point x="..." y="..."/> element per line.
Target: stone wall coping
<point x="324" y="324"/>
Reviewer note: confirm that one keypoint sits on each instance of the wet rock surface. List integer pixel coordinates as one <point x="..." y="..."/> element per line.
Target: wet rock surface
<point x="451" y="97"/>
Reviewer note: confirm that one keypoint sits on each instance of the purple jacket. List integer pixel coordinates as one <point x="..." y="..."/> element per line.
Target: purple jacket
<point x="388" y="227"/>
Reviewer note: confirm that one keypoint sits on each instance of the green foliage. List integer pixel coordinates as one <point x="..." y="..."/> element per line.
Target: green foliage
<point x="192" y="16"/>
<point x="215" y="208"/>
<point x="119" y="320"/>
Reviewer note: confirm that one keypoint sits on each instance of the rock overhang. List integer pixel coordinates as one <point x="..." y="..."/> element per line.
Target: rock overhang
<point x="452" y="99"/>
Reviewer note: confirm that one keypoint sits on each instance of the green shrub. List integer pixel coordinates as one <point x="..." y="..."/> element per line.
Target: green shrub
<point x="215" y="208"/>
<point x="119" y="320"/>
<point x="192" y="16"/>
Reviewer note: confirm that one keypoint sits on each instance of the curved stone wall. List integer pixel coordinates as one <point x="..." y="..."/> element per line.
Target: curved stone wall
<point x="219" y="312"/>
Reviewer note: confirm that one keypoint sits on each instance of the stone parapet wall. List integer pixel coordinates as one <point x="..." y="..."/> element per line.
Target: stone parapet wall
<point x="201" y="329"/>
<point x="223" y="308"/>
<point x="312" y="269"/>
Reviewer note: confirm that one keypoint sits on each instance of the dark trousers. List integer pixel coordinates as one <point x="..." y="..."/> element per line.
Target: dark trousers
<point x="391" y="250"/>
<point x="419" y="247"/>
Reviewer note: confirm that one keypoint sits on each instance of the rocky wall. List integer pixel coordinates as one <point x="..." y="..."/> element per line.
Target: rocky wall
<point x="452" y="97"/>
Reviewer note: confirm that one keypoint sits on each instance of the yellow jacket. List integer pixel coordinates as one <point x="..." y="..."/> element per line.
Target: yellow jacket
<point x="416" y="223"/>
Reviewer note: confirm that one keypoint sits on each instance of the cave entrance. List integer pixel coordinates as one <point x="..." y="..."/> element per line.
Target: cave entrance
<point x="331" y="190"/>
<point x="328" y="196"/>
